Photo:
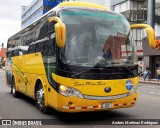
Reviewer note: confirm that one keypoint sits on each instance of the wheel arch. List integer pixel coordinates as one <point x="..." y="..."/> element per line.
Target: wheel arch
<point x="13" y="77"/>
<point x="37" y="83"/>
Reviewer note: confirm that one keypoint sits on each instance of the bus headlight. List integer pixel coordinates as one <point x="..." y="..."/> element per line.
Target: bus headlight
<point x="68" y="91"/>
<point x="133" y="90"/>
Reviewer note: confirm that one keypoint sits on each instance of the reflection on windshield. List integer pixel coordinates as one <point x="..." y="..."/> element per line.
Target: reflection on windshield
<point x="112" y="47"/>
<point x="95" y="37"/>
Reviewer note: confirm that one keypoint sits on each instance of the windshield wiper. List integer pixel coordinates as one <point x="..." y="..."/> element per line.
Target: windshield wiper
<point x="128" y="70"/>
<point x="101" y="63"/>
<point x="100" y="66"/>
<point x="85" y="71"/>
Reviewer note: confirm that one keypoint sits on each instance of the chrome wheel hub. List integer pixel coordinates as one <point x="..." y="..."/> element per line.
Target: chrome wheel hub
<point x="13" y="90"/>
<point x="40" y="98"/>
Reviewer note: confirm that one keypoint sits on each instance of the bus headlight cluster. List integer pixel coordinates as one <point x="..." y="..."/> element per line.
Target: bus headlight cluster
<point x="68" y="91"/>
<point x="133" y="90"/>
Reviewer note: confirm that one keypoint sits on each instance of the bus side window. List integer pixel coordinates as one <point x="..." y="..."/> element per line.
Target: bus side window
<point x="52" y="47"/>
<point x="51" y="29"/>
<point x="24" y="52"/>
<point x="13" y="53"/>
<point x="32" y="48"/>
<point x="46" y="48"/>
<point x="8" y="54"/>
<point x="20" y="52"/>
<point x="40" y="47"/>
<point x="17" y="52"/>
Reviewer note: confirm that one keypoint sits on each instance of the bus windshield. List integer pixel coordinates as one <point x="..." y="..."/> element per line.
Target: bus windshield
<point x="96" y="37"/>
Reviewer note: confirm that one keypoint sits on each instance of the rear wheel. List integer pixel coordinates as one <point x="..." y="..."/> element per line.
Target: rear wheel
<point x="40" y="99"/>
<point x="13" y="89"/>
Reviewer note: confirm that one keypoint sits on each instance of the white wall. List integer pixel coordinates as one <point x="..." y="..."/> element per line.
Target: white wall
<point x="157" y="0"/>
<point x="157" y="26"/>
<point x="157" y="29"/>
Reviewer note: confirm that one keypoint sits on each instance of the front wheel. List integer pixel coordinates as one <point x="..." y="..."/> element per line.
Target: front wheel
<point x="40" y="99"/>
<point x="13" y="89"/>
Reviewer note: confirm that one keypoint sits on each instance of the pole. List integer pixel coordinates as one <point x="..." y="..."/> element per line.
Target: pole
<point x="150" y="21"/>
<point x="151" y="13"/>
<point x="2" y="45"/>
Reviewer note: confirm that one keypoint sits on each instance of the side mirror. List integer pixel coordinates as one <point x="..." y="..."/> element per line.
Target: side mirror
<point x="151" y="35"/>
<point x="60" y="30"/>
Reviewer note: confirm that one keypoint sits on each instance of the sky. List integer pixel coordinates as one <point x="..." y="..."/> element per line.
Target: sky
<point x="10" y="18"/>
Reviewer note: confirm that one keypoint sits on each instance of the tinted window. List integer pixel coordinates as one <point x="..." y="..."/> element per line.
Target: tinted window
<point x="43" y="31"/>
<point x="50" y="47"/>
<point x="17" y="52"/>
<point x="14" y="53"/>
<point x="51" y="28"/>
<point x="24" y="52"/>
<point x="32" y="48"/>
<point x="46" y="48"/>
<point x="40" y="47"/>
<point x="8" y="54"/>
<point x="20" y="52"/>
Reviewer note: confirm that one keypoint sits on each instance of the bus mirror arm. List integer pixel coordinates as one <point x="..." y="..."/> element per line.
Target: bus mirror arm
<point x="151" y="35"/>
<point x="157" y="44"/>
<point x="60" y="30"/>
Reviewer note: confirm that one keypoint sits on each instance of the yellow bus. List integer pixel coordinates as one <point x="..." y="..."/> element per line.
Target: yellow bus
<point x="71" y="59"/>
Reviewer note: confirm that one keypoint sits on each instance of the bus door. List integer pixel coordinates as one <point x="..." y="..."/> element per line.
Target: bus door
<point x="50" y="57"/>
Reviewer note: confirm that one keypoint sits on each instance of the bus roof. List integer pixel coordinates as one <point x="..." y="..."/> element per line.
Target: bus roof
<point x="82" y="4"/>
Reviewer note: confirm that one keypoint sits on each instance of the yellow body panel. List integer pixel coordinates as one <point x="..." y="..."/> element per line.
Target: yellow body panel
<point x="96" y="87"/>
<point x="81" y="105"/>
<point x="26" y="70"/>
<point x="83" y="4"/>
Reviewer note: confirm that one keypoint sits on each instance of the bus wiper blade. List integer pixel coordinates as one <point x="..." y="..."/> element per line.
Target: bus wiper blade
<point x="85" y="71"/>
<point x="128" y="69"/>
<point x="101" y="63"/>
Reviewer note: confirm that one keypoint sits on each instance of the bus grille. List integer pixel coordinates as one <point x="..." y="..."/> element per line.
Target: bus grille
<point x="105" y="97"/>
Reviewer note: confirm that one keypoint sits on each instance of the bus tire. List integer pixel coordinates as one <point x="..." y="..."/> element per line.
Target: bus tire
<point x="40" y="99"/>
<point x="13" y="89"/>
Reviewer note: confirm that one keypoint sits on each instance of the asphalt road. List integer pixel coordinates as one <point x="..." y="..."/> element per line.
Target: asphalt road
<point x="147" y="107"/>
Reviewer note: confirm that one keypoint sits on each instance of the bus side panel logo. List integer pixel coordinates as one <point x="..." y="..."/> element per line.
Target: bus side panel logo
<point x="129" y="85"/>
<point x="107" y="89"/>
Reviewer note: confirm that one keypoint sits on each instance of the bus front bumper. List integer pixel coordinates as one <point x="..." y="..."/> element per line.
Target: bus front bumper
<point x="74" y="104"/>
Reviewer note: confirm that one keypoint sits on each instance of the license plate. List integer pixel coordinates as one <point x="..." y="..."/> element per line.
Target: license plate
<point x="107" y="105"/>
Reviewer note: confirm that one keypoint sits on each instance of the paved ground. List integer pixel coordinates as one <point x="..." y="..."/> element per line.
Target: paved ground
<point x="147" y="107"/>
<point x="152" y="81"/>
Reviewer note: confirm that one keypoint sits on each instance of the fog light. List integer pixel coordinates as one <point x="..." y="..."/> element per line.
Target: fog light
<point x="70" y="103"/>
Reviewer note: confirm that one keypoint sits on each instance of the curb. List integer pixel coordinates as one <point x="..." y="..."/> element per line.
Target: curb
<point x="148" y="82"/>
